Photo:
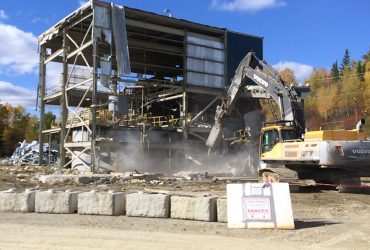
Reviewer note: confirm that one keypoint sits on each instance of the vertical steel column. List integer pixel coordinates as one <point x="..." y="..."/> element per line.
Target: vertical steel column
<point x="93" y="97"/>
<point x="184" y="112"/>
<point x="42" y="77"/>
<point x="226" y="80"/>
<point x="63" y="106"/>
<point x="142" y="103"/>
<point x="184" y="94"/>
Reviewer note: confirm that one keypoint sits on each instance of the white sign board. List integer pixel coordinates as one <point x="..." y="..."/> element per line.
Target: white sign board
<point x="255" y="205"/>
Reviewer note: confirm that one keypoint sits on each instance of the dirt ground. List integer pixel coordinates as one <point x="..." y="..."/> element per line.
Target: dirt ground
<point x="324" y="219"/>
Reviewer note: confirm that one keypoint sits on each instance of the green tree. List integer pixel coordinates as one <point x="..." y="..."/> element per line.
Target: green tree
<point x="360" y="70"/>
<point x="345" y="61"/>
<point x="334" y="72"/>
<point x="15" y="124"/>
<point x="49" y="118"/>
<point x="31" y="131"/>
<point x="3" y="125"/>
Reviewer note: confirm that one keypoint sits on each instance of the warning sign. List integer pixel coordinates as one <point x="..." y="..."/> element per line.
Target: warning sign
<point x="256" y="208"/>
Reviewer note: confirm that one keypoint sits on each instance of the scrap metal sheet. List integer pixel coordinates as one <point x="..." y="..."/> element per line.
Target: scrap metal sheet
<point x="120" y="40"/>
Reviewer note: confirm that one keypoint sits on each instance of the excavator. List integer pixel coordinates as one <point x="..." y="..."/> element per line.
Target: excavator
<point x="286" y="150"/>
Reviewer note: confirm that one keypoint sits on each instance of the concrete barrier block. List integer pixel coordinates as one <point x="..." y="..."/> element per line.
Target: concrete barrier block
<point x="222" y="210"/>
<point x="194" y="208"/>
<point x="108" y="203"/>
<point x="11" y="201"/>
<point x="56" y="202"/>
<point x="148" y="205"/>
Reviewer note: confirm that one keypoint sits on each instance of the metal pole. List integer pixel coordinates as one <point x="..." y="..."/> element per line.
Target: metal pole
<point x="169" y="154"/>
<point x="63" y="106"/>
<point x="204" y="110"/>
<point x="49" y="148"/>
<point x="184" y="84"/>
<point x="93" y="97"/>
<point x="184" y="112"/>
<point x="142" y="103"/>
<point x="42" y="73"/>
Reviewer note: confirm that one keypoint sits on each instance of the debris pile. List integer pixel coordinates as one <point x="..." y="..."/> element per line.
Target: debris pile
<point x="28" y="154"/>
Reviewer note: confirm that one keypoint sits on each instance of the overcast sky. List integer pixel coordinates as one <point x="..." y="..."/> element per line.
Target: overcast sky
<point x="301" y="35"/>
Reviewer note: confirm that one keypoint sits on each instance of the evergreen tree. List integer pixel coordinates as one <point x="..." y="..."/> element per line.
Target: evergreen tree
<point x="360" y="70"/>
<point x="334" y="72"/>
<point x="345" y="61"/>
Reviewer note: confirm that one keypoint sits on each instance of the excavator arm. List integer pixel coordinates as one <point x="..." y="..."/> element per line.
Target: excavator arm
<point x="253" y="71"/>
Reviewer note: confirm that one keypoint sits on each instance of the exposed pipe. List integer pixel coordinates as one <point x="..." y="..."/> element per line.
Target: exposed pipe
<point x="204" y="110"/>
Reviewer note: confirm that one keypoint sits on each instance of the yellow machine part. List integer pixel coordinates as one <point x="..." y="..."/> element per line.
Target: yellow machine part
<point x="275" y="153"/>
<point x="278" y="127"/>
<point x="334" y="135"/>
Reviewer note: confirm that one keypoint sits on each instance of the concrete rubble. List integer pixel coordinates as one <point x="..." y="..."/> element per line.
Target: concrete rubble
<point x="148" y="205"/>
<point x="86" y="178"/>
<point x="56" y="202"/>
<point x="78" y="179"/>
<point x="101" y="203"/>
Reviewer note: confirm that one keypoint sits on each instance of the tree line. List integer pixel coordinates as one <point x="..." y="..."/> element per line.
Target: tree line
<point x="16" y="125"/>
<point x="339" y="97"/>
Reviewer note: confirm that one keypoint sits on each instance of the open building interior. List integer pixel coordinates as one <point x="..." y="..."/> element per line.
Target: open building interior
<point x="139" y="90"/>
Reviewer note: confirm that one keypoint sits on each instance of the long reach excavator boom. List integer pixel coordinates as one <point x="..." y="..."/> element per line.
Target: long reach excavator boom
<point x="253" y="71"/>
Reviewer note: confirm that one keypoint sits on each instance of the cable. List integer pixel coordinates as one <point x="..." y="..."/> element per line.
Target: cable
<point x="336" y="77"/>
<point x="342" y="185"/>
<point x="348" y="93"/>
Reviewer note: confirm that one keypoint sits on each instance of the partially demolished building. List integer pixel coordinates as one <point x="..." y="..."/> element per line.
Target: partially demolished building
<point x="138" y="90"/>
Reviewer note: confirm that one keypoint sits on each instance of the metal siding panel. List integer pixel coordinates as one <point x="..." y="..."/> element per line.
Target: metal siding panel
<point x="205" y="66"/>
<point x="205" y="42"/>
<point x="205" y="53"/>
<point x="208" y="56"/>
<point x="120" y="40"/>
<point x="238" y="45"/>
<point x="205" y="80"/>
<point x="102" y="17"/>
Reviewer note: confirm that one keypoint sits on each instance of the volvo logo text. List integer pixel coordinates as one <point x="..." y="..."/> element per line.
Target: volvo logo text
<point x="260" y="80"/>
<point x="361" y="151"/>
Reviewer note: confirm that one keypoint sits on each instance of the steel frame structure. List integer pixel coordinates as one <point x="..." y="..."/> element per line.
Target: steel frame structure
<point x="72" y="50"/>
<point x="155" y="47"/>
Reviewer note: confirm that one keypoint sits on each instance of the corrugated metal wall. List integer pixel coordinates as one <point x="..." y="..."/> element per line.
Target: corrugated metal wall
<point x="238" y="45"/>
<point x="205" y="60"/>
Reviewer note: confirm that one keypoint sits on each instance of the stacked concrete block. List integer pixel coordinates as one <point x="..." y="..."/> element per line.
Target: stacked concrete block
<point x="56" y="202"/>
<point x="107" y="203"/>
<point x="194" y="208"/>
<point x="222" y="210"/>
<point x="148" y="205"/>
<point x="24" y="202"/>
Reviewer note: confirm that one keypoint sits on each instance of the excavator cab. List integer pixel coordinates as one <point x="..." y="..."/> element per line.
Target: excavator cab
<point x="272" y="135"/>
<point x="269" y="139"/>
